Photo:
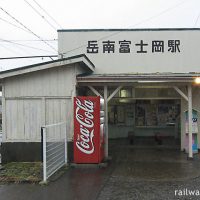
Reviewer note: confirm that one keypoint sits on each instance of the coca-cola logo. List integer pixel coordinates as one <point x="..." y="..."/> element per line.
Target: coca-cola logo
<point x="84" y="115"/>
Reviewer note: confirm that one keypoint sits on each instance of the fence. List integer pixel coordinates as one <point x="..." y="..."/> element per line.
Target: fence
<point x="54" y="142"/>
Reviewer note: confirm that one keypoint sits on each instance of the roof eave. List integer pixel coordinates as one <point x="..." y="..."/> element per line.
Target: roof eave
<point x="47" y="65"/>
<point x="135" y="79"/>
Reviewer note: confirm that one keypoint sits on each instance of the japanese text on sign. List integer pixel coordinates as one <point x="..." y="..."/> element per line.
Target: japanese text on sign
<point x="125" y="46"/>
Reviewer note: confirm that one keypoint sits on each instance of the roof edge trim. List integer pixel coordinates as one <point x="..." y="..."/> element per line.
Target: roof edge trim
<point x="131" y="29"/>
<point x="50" y="64"/>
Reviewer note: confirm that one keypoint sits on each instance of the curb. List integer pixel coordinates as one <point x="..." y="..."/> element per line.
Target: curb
<point x="98" y="165"/>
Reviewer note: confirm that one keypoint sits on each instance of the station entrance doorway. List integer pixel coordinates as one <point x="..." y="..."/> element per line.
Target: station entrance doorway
<point x="144" y="122"/>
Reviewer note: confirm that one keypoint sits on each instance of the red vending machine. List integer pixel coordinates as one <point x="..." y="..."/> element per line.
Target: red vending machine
<point x="88" y="130"/>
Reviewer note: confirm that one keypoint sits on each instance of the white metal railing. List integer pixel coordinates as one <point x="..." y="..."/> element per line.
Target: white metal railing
<point x="54" y="142"/>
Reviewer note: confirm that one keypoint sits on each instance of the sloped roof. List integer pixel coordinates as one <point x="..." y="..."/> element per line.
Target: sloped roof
<point x="82" y="59"/>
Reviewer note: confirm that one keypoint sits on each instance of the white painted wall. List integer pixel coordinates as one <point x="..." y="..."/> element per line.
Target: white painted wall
<point x="23" y="119"/>
<point x="50" y="82"/>
<point x="38" y="98"/>
<point x="187" y="60"/>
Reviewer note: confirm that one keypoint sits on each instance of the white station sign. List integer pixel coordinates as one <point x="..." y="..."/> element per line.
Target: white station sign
<point x="135" y="51"/>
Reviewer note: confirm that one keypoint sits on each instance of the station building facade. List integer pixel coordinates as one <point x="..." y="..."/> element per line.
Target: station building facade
<point x="146" y="77"/>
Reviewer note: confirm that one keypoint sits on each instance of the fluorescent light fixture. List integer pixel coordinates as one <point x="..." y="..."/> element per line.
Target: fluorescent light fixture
<point x="124" y="100"/>
<point x="197" y="80"/>
<point x="125" y="93"/>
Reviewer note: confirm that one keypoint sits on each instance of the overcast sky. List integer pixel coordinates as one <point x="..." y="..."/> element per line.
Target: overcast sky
<point x="43" y="17"/>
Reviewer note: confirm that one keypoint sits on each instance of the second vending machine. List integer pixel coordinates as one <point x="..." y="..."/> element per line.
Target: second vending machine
<point x="88" y="129"/>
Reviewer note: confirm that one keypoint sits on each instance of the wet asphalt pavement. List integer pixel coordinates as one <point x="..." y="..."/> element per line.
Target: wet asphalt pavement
<point x="136" y="172"/>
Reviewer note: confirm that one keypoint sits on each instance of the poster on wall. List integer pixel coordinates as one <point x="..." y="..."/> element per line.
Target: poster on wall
<point x="111" y="114"/>
<point x="151" y="115"/>
<point x="130" y="115"/>
<point x="168" y="114"/>
<point x="162" y="115"/>
<point x="194" y="122"/>
<point x="120" y="115"/>
<point x="140" y="113"/>
<point x="156" y="114"/>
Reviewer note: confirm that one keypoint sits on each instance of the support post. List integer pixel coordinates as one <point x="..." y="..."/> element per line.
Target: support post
<point x="44" y="155"/>
<point x="190" y="120"/>
<point x="95" y="91"/>
<point x="106" y="119"/>
<point x="114" y="93"/>
<point x="181" y="93"/>
<point x="65" y="143"/>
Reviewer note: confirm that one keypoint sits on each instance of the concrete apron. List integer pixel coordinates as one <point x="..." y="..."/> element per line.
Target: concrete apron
<point x="140" y="172"/>
<point x="152" y="162"/>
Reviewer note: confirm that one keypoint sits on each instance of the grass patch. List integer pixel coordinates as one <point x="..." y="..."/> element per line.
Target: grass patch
<point x="21" y="172"/>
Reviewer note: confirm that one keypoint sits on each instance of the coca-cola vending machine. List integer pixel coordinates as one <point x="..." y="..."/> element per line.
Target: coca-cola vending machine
<point x="88" y="129"/>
